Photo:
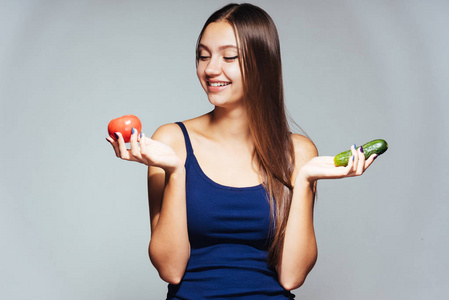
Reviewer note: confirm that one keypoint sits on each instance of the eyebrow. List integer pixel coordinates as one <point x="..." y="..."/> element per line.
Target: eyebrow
<point x="219" y="48"/>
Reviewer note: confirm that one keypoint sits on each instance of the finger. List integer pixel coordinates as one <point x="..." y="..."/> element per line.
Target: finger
<point x="370" y="160"/>
<point x="135" y="151"/>
<point x="348" y="169"/>
<point x="341" y="172"/>
<point x="361" y="162"/>
<point x="143" y="147"/>
<point x="123" y="152"/>
<point x="114" y="146"/>
<point x="355" y="157"/>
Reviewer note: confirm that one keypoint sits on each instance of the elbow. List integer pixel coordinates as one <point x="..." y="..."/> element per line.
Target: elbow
<point x="171" y="273"/>
<point x="171" y="278"/>
<point x="293" y="279"/>
<point x="293" y="283"/>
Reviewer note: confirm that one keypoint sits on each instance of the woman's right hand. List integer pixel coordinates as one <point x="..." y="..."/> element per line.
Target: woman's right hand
<point x="146" y="151"/>
<point x="323" y="167"/>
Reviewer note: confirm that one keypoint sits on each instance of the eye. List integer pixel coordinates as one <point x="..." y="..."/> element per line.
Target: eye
<point x="203" y="57"/>
<point x="230" y="58"/>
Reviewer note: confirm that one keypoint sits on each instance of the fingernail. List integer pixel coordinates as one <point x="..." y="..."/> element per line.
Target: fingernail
<point x="141" y="134"/>
<point x="355" y="147"/>
<point x="116" y="135"/>
<point x="132" y="130"/>
<point x="361" y="149"/>
<point x="375" y="157"/>
<point x="108" y="140"/>
<point x="353" y="158"/>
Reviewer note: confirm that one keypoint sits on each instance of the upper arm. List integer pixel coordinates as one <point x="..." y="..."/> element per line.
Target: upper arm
<point x="304" y="150"/>
<point x="171" y="135"/>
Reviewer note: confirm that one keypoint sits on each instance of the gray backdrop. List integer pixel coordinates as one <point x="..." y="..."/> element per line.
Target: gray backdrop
<point x="74" y="219"/>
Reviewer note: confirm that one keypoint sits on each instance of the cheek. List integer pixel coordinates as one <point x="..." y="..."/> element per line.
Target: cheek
<point x="199" y="74"/>
<point x="236" y="73"/>
<point x="237" y="77"/>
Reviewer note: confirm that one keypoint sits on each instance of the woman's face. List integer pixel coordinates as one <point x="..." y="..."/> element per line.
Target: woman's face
<point x="218" y="65"/>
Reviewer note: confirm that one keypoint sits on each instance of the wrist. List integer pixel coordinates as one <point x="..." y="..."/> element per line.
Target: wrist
<point x="303" y="179"/>
<point x="176" y="171"/>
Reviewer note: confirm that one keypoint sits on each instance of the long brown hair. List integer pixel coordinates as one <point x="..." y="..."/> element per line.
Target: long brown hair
<point x="260" y="64"/>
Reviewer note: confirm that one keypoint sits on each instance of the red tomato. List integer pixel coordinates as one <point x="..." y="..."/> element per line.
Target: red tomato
<point x="124" y="125"/>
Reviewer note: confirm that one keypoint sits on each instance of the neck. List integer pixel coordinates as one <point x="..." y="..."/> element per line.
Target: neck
<point x="230" y="124"/>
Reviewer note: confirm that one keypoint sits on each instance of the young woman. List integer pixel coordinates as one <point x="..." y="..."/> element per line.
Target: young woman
<point x="231" y="192"/>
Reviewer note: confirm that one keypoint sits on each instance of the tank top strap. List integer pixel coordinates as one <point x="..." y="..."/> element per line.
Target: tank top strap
<point x="189" y="148"/>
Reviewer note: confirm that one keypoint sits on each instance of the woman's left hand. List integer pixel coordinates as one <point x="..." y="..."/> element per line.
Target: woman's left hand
<point x="322" y="167"/>
<point x="151" y="152"/>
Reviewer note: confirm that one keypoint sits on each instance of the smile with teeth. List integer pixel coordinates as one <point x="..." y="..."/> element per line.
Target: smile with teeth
<point x="218" y="83"/>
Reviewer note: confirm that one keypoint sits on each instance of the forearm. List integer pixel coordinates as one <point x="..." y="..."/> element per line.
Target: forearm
<point x="300" y="250"/>
<point x="169" y="247"/>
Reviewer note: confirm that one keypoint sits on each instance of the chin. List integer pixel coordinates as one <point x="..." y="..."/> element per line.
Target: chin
<point x="215" y="100"/>
<point x="224" y="100"/>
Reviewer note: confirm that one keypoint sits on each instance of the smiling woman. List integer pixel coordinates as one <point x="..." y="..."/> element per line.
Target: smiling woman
<point x="217" y="66"/>
<point x="231" y="192"/>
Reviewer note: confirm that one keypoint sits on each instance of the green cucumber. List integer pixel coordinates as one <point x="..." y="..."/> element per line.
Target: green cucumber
<point x="374" y="147"/>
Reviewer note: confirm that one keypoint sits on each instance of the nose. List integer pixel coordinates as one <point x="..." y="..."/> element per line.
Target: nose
<point x="213" y="68"/>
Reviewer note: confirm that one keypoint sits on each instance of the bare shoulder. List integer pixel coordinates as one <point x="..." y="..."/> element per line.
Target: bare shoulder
<point x="171" y="135"/>
<point x="304" y="148"/>
<point x="197" y="126"/>
<point x="167" y="133"/>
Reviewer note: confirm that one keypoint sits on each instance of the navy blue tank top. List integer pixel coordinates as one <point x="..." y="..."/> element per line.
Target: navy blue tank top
<point x="228" y="229"/>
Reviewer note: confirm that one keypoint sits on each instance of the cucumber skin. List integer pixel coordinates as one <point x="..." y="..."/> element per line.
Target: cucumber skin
<point x="378" y="146"/>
